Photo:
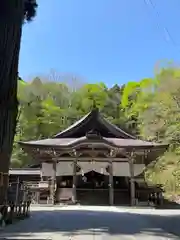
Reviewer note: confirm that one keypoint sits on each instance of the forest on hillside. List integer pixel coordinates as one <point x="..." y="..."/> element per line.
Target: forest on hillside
<point x="149" y="109"/>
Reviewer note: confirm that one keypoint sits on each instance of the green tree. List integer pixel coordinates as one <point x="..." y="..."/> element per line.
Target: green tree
<point x="113" y="109"/>
<point x="13" y="13"/>
<point x="157" y="110"/>
<point x="47" y="107"/>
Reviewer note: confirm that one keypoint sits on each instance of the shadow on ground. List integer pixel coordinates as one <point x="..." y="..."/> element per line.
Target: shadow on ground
<point x="168" y="204"/>
<point x="86" y="222"/>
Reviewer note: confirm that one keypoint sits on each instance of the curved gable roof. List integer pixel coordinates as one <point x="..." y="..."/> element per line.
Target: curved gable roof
<point x="91" y="121"/>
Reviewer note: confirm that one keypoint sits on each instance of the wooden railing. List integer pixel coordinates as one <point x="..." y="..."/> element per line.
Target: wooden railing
<point x="36" y="185"/>
<point x="17" y="205"/>
<point x="150" y="195"/>
<point x="32" y="184"/>
<point x="11" y="212"/>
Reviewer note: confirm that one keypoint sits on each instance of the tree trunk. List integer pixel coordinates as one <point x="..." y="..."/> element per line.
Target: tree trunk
<point x="11" y="19"/>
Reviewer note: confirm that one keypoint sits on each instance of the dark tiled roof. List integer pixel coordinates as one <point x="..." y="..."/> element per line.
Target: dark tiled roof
<point x="72" y="142"/>
<point x="75" y="125"/>
<point x="92" y="120"/>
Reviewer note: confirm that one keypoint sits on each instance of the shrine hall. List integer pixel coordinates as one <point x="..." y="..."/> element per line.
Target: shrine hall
<point x="93" y="161"/>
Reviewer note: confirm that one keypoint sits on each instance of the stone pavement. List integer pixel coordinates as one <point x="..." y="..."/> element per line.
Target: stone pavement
<point x="95" y="223"/>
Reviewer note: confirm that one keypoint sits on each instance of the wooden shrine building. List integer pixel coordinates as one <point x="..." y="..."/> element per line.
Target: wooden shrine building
<point x="93" y="159"/>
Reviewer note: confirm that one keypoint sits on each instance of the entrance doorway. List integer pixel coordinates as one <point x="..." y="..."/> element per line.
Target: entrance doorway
<point x="92" y="189"/>
<point x="121" y="190"/>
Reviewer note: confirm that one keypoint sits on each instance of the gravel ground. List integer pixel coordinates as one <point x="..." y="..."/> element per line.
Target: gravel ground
<point x="95" y="223"/>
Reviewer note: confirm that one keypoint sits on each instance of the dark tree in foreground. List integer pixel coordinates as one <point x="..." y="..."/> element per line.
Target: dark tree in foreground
<point x="13" y="13"/>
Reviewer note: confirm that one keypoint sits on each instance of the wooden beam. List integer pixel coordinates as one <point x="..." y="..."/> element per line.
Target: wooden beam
<point x="89" y="159"/>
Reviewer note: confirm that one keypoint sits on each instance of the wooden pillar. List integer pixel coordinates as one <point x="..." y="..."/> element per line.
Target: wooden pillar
<point x="132" y="182"/>
<point x="74" y="180"/>
<point x="53" y="184"/>
<point x="38" y="197"/>
<point x="17" y="192"/>
<point x="111" y="188"/>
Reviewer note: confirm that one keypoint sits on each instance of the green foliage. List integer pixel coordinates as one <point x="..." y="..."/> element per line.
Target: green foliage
<point x="46" y="108"/>
<point x="155" y="105"/>
<point x="149" y="108"/>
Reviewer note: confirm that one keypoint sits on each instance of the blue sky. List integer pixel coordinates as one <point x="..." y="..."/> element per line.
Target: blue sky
<point x="114" y="41"/>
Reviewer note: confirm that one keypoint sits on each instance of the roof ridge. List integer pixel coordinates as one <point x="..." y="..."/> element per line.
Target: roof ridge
<point x="96" y="115"/>
<point x="116" y="127"/>
<point x="73" y="125"/>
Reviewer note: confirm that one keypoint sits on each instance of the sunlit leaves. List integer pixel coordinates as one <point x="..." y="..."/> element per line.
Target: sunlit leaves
<point x="47" y="107"/>
<point x="155" y="103"/>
